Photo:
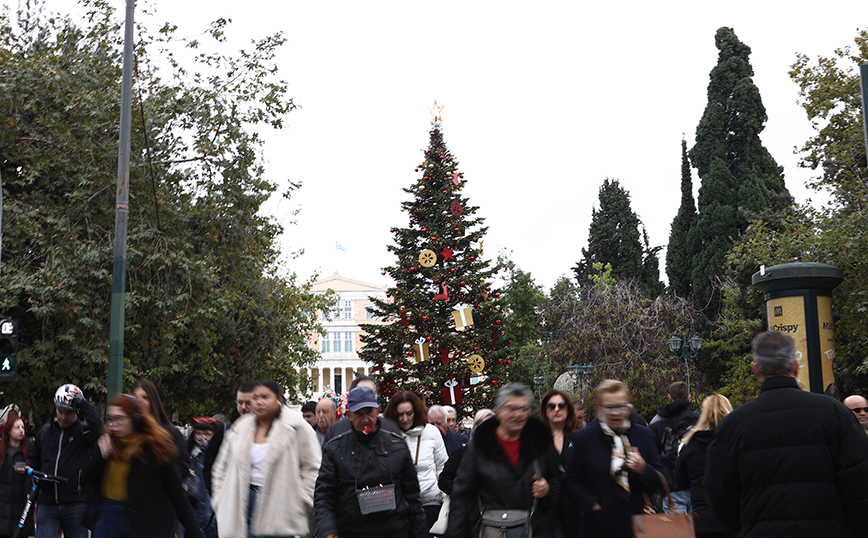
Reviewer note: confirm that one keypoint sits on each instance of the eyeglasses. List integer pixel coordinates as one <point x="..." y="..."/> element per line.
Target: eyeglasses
<point x="114" y="419"/>
<point x="559" y="405"/>
<point x="615" y="409"/>
<point x="859" y="409"/>
<point x="516" y="408"/>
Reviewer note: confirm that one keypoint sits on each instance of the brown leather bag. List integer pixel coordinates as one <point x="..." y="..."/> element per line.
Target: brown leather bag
<point x="653" y="525"/>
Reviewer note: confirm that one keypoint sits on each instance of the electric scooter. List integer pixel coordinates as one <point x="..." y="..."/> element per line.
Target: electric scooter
<point x="37" y="478"/>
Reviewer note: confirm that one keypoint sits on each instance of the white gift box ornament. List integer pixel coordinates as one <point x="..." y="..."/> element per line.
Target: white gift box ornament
<point x="463" y="317"/>
<point x="420" y="348"/>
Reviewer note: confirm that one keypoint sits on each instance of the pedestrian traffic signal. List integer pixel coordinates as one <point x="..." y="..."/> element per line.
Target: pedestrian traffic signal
<point x="8" y="350"/>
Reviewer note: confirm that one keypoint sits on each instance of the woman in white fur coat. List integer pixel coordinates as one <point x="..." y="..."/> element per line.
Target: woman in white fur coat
<point x="426" y="448"/>
<point x="264" y="475"/>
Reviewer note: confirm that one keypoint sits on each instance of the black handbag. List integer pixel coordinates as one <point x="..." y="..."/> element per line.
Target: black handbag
<point x="507" y="523"/>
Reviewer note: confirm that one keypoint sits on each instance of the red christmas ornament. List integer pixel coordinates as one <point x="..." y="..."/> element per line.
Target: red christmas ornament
<point x="497" y="321"/>
<point x="401" y="364"/>
<point x="500" y="361"/>
<point x="425" y="318"/>
<point x="435" y="280"/>
<point x="444" y="355"/>
<point x="361" y="339"/>
<point x="457" y="229"/>
<point x="445" y="191"/>
<point x="392" y="230"/>
<point x="415" y="169"/>
<point x="462" y="282"/>
<point x="424" y="229"/>
<point x="424" y="177"/>
<point x="497" y="295"/>
<point x="388" y="294"/>
<point x="447" y="254"/>
<point x="494" y="382"/>
<point x="412" y="269"/>
<point x="475" y="348"/>
<point x="487" y="288"/>
<point x="410" y="353"/>
<point x="473" y="258"/>
<point x="428" y="338"/>
<point x="509" y="363"/>
<point x="510" y="342"/>
<point x="452" y="270"/>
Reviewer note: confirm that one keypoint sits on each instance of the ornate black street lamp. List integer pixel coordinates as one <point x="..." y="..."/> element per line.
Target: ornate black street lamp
<point x="685" y="349"/>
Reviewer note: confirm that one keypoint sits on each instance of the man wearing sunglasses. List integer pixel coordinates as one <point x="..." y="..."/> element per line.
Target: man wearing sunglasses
<point x="859" y="406"/>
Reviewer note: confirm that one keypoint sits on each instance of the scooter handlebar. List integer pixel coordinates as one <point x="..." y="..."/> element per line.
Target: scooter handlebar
<point x="47" y="477"/>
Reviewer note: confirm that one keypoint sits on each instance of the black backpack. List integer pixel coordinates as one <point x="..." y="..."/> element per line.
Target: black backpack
<point x="675" y="429"/>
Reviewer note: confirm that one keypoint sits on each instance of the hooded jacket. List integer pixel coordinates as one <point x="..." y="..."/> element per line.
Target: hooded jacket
<point x="67" y="453"/>
<point x="679" y="416"/>
<point x="690" y="474"/>
<point x="285" y="500"/>
<point x="432" y="458"/>
<point x="486" y="476"/>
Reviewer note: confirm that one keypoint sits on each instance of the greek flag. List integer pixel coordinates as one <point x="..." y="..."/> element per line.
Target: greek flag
<point x="339" y="246"/>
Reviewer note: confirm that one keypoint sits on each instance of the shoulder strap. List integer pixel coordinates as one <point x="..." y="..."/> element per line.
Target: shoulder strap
<point x="418" y="442"/>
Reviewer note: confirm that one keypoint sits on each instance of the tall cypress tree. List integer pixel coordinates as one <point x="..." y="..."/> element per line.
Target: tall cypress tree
<point x="737" y="172"/>
<point x="678" y="257"/>
<point x="614" y="238"/>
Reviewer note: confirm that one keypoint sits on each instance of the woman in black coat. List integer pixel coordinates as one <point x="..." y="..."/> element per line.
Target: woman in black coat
<point x="13" y="486"/>
<point x="691" y="464"/>
<point x="139" y="489"/>
<point x="509" y="463"/>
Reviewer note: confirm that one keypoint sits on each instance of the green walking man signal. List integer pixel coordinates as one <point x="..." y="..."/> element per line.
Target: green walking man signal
<point x="8" y="350"/>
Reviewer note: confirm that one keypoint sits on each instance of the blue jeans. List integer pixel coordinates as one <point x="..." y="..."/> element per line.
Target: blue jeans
<point x="682" y="502"/>
<point x="52" y="518"/>
<point x="112" y="520"/>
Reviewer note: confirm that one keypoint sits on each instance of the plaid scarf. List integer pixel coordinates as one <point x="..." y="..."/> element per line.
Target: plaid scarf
<point x="621" y="445"/>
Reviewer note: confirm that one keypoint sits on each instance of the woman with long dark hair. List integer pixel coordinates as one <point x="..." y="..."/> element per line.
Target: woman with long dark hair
<point x="147" y="393"/>
<point x="14" y="449"/>
<point x="139" y="492"/>
<point x="263" y="479"/>
<point x="426" y="448"/>
<point x="557" y="413"/>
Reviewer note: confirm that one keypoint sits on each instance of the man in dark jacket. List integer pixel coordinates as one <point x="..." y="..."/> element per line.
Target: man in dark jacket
<point x="367" y="485"/>
<point x="438" y="417"/>
<point x="64" y="447"/>
<point x="243" y="402"/>
<point x="342" y="426"/>
<point x="511" y="464"/>
<point x="611" y="464"/>
<point x="790" y="463"/>
<point x="669" y="426"/>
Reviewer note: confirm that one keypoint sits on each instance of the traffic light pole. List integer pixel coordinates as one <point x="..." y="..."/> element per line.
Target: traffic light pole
<point x="122" y="212"/>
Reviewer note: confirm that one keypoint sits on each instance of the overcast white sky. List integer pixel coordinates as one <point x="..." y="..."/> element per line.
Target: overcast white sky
<point x="543" y="100"/>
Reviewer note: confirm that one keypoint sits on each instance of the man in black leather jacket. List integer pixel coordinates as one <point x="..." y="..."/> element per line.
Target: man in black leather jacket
<point x="64" y="447"/>
<point x="362" y="464"/>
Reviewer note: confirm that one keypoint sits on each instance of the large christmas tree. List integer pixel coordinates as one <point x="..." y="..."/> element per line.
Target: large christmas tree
<point x="442" y="341"/>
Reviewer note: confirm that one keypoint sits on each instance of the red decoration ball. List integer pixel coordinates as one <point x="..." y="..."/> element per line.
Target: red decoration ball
<point x="428" y="338"/>
<point x="457" y="229"/>
<point x="424" y="177"/>
<point x="361" y="339"/>
<point x="435" y="280"/>
<point x="494" y="382"/>
<point x="500" y="361"/>
<point x="473" y="258"/>
<point x="475" y="349"/>
<point x="487" y="288"/>
<point x="509" y="363"/>
<point x="462" y="282"/>
<point x="497" y="321"/>
<point x="401" y="364"/>
<point x="497" y="294"/>
<point x="510" y="341"/>
<point x="425" y="318"/>
<point x="409" y="353"/>
<point x="453" y="269"/>
<point x="424" y="229"/>
<point x="388" y="295"/>
<point x="445" y="191"/>
<point x="412" y="269"/>
<point x="415" y="169"/>
<point x="392" y="230"/>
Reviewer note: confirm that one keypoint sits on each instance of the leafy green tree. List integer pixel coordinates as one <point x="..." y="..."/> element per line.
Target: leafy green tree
<point x="737" y="172"/>
<point x="439" y="270"/>
<point x="208" y="304"/>
<point x="614" y="238"/>
<point x="622" y="333"/>
<point x="679" y="259"/>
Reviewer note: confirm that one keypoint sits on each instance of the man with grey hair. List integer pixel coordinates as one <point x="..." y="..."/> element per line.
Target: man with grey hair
<point x="451" y="417"/>
<point x="437" y="416"/>
<point x="789" y="463"/>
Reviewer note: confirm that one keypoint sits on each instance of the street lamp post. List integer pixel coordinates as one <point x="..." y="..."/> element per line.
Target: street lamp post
<point x="577" y="372"/>
<point x="685" y="349"/>
<point x="539" y="381"/>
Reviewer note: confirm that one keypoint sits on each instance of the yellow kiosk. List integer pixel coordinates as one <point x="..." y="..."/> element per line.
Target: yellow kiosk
<point x="799" y="302"/>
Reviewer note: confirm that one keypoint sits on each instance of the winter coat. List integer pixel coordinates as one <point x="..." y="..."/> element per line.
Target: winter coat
<point x="354" y="461"/>
<point x="690" y="475"/>
<point x="432" y="458"/>
<point x="13" y="492"/>
<point x="285" y="499"/>
<point x="789" y="463"/>
<point x="155" y="497"/>
<point x="588" y="480"/>
<point x="679" y="416"/>
<point x="486" y="475"/>
<point x="452" y="440"/>
<point x="67" y="453"/>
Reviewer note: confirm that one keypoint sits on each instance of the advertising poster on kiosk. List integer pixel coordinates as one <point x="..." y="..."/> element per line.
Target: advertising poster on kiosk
<point x="787" y="315"/>
<point x="827" y="345"/>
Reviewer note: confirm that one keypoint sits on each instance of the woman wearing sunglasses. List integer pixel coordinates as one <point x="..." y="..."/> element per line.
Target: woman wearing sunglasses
<point x="139" y="488"/>
<point x="557" y="413"/>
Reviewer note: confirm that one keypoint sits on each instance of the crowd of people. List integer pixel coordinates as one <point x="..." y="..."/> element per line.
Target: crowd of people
<point x="789" y="463"/>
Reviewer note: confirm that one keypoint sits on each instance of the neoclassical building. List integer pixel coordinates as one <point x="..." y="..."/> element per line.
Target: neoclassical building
<point x="340" y="361"/>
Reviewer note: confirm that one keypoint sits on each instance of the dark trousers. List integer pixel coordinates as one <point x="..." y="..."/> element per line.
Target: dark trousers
<point x="432" y="512"/>
<point x="112" y="520"/>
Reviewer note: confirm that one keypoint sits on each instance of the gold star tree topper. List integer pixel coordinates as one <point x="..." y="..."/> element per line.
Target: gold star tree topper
<point x="436" y="112"/>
